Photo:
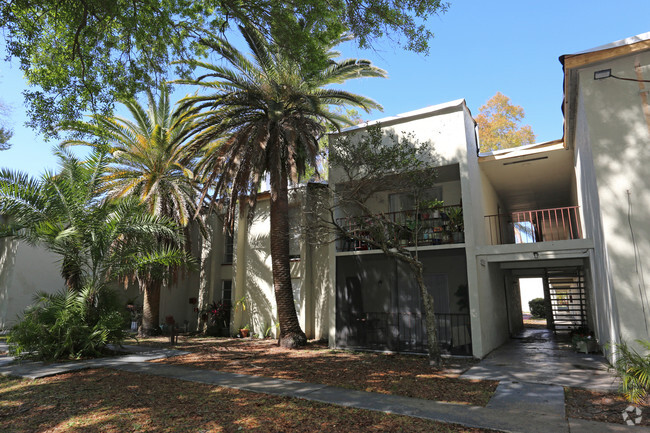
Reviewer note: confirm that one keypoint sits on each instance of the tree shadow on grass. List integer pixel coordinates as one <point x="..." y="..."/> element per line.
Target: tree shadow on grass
<point x="111" y="401"/>
<point x="404" y="375"/>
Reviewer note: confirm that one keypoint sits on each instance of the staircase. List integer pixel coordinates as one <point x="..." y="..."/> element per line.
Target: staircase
<point x="565" y="295"/>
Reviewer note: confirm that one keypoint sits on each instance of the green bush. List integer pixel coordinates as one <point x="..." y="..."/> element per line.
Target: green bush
<point x="634" y="371"/>
<point x="537" y="308"/>
<point x="68" y="324"/>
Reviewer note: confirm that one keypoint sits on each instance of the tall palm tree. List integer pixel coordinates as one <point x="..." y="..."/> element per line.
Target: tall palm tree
<point x="264" y="116"/>
<point x="148" y="161"/>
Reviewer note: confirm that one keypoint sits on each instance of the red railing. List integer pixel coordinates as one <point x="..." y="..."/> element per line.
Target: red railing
<point x="542" y="225"/>
<point x="405" y="228"/>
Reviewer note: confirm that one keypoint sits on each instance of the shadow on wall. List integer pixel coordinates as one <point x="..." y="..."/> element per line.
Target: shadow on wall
<point x="8" y="250"/>
<point x="621" y="157"/>
<point x="258" y="293"/>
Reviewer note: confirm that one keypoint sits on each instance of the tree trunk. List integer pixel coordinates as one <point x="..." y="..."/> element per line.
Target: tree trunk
<point x="291" y="335"/>
<point x="206" y="247"/>
<point x="429" y="317"/>
<point x="151" y="307"/>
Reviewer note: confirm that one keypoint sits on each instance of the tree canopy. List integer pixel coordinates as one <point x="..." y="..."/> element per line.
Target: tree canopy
<point x="82" y="56"/>
<point x="5" y="131"/>
<point x="499" y="124"/>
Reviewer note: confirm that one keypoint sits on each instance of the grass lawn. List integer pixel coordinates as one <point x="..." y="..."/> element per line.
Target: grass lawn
<point x="113" y="401"/>
<point x="406" y="375"/>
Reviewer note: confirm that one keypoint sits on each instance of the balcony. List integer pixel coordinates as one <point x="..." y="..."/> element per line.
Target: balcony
<point x="542" y="225"/>
<point x="422" y="227"/>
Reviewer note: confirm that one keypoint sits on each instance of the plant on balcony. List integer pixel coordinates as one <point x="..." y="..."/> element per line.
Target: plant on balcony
<point x="456" y="224"/>
<point x="434" y="205"/>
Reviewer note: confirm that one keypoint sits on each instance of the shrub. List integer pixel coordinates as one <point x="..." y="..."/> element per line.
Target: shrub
<point x="634" y="371"/>
<point x="68" y="324"/>
<point x="537" y="308"/>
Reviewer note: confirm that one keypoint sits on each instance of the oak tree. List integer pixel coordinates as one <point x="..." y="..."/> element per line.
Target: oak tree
<point x="499" y="124"/>
<point x="83" y="55"/>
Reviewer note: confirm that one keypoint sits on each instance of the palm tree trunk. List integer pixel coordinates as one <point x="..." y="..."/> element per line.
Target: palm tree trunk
<point x="151" y="307"/>
<point x="291" y="335"/>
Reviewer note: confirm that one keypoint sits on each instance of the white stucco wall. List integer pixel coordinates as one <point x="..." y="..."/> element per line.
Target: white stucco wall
<point x="611" y="123"/>
<point x="603" y="311"/>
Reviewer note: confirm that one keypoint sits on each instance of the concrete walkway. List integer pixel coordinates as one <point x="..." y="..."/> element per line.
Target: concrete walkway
<point x="515" y="407"/>
<point x="536" y="356"/>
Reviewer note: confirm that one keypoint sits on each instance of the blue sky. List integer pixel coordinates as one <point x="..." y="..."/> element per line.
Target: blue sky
<point x="479" y="48"/>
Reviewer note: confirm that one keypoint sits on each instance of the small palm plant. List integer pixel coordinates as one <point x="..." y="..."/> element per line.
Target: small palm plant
<point x="97" y="241"/>
<point x="68" y="324"/>
<point x="634" y="370"/>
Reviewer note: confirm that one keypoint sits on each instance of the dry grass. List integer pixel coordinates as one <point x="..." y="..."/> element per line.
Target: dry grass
<point x="404" y="375"/>
<point x="109" y="401"/>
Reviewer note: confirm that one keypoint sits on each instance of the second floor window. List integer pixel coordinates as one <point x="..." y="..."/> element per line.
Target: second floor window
<point x="228" y="248"/>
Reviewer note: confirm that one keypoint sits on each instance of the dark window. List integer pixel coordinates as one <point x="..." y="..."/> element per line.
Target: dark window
<point x="228" y="248"/>
<point x="226" y="297"/>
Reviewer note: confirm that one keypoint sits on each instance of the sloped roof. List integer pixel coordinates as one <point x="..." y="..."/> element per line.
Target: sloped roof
<point x="627" y="41"/>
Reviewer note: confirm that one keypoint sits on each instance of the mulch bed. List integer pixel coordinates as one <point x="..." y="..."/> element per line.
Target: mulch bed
<point x="600" y="406"/>
<point x="404" y="375"/>
<point x="108" y="401"/>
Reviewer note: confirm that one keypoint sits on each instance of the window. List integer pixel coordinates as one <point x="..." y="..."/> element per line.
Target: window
<point x="295" y="285"/>
<point x="403" y="201"/>
<point x="226" y="297"/>
<point x="228" y="247"/>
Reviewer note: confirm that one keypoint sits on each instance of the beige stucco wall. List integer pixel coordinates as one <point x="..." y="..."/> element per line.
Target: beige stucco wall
<point x="24" y="271"/>
<point x="612" y="124"/>
<point x="253" y="275"/>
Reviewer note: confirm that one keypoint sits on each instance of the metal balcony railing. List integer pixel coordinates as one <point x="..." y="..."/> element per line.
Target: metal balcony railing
<point x="405" y="228"/>
<point x="542" y="225"/>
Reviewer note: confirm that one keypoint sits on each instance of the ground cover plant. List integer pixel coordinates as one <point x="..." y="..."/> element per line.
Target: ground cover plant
<point x="68" y="324"/>
<point x="111" y="401"/>
<point x="406" y="375"/>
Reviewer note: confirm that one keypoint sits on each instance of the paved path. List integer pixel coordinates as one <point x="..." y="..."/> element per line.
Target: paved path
<point x="523" y="407"/>
<point x="536" y="356"/>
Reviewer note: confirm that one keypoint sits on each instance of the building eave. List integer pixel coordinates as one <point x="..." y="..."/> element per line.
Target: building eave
<point x="455" y="105"/>
<point x="571" y="63"/>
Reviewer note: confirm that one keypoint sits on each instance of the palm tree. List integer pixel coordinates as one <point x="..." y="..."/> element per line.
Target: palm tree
<point x="148" y="162"/>
<point x="97" y="240"/>
<point x="265" y="116"/>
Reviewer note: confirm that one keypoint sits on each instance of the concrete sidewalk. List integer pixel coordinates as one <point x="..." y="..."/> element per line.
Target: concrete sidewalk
<point x="515" y="407"/>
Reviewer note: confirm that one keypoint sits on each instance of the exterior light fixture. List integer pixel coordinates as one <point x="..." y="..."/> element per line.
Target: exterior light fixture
<point x="602" y="74"/>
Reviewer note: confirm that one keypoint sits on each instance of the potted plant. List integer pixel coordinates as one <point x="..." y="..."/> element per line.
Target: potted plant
<point x="457" y="224"/>
<point x="435" y="205"/>
<point x="583" y="340"/>
<point x="245" y="331"/>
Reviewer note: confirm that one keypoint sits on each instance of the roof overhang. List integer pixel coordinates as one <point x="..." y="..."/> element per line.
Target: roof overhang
<point x="537" y="176"/>
<point x="572" y="63"/>
<point x="433" y="110"/>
